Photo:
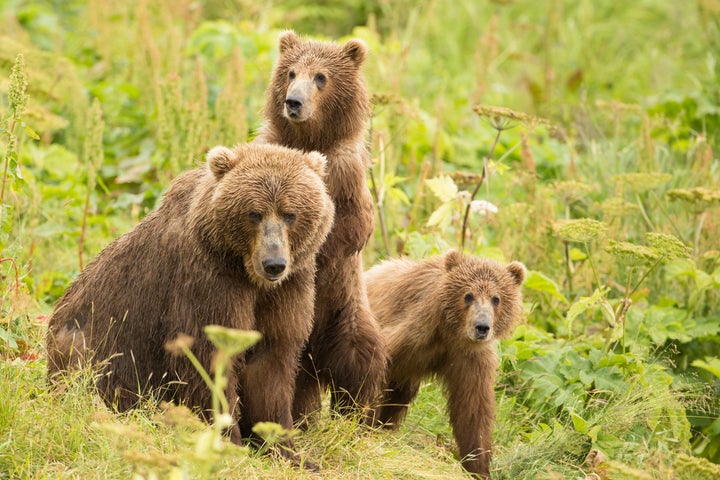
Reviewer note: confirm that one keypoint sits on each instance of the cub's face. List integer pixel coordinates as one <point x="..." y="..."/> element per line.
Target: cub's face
<point x="271" y="208"/>
<point x="310" y="75"/>
<point x="482" y="298"/>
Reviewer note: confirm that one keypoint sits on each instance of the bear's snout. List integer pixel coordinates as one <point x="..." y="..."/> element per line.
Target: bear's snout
<point x="299" y="99"/>
<point x="274" y="267"/>
<point x="271" y="259"/>
<point x="480" y="328"/>
<point x="293" y="104"/>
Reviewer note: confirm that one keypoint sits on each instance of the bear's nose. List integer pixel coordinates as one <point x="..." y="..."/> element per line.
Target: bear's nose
<point x="481" y="330"/>
<point x="274" y="266"/>
<point x="293" y="104"/>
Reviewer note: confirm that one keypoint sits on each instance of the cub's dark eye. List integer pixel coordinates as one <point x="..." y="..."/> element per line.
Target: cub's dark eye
<point x="320" y="80"/>
<point x="255" y="217"/>
<point x="469" y="298"/>
<point x="289" y="218"/>
<point x="495" y="301"/>
<point x="291" y="75"/>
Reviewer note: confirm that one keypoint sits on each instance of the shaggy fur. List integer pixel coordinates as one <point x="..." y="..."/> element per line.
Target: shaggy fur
<point x="233" y="244"/>
<point x="317" y="101"/>
<point x="442" y="317"/>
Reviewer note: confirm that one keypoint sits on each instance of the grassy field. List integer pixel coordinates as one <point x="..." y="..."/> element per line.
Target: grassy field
<point x="597" y="124"/>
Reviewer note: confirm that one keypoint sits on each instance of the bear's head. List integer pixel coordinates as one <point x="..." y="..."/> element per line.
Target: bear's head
<point x="265" y="207"/>
<point x="317" y="90"/>
<point x="481" y="298"/>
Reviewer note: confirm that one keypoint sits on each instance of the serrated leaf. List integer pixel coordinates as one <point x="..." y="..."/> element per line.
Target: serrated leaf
<point x="442" y="216"/>
<point x="399" y="196"/>
<point x="391" y="180"/>
<point x="443" y="187"/>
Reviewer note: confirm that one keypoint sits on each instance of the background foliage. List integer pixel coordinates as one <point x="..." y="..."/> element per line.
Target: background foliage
<point x="605" y="182"/>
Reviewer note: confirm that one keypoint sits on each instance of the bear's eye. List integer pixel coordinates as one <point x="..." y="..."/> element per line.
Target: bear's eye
<point x="289" y="218"/>
<point x="495" y="301"/>
<point x="469" y="298"/>
<point x="291" y="75"/>
<point x="255" y="217"/>
<point x="320" y="80"/>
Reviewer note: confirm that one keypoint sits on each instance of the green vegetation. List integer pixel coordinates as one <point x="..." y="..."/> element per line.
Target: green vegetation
<point x="579" y="137"/>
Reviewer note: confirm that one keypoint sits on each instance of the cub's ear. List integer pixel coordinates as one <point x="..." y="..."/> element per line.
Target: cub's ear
<point x="355" y="49"/>
<point x="317" y="162"/>
<point x="452" y="259"/>
<point x="517" y="271"/>
<point x="221" y="160"/>
<point x="288" y="39"/>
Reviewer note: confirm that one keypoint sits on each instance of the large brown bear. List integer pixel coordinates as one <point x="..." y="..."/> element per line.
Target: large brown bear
<point x="317" y="100"/>
<point x="442" y="317"/>
<point x="233" y="244"/>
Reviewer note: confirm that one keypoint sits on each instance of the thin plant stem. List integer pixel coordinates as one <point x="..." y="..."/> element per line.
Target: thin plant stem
<point x="696" y="237"/>
<point x="669" y="219"/>
<point x="644" y="213"/>
<point x="592" y="265"/>
<point x="15" y="268"/>
<point x="642" y="279"/>
<point x="11" y="130"/>
<point x="204" y="375"/>
<point x="477" y="189"/>
<point x="81" y="242"/>
<point x="380" y="196"/>
<point x="568" y="267"/>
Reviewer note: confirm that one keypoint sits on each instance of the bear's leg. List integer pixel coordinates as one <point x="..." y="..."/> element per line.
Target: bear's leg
<point x="396" y="399"/>
<point x="267" y="383"/>
<point x="351" y="349"/>
<point x="471" y="405"/>
<point x="309" y="388"/>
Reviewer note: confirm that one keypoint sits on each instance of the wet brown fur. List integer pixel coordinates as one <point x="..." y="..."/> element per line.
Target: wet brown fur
<point x="193" y="262"/>
<point x="345" y="349"/>
<point x="429" y="326"/>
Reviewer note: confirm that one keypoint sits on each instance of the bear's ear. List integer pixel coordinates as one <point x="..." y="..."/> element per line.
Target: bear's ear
<point x="452" y="259"/>
<point x="288" y="39"/>
<point x="355" y="49"/>
<point x="317" y="162"/>
<point x="221" y="160"/>
<point x="517" y="271"/>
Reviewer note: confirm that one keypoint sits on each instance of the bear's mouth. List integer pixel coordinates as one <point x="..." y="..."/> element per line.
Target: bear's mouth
<point x="295" y="116"/>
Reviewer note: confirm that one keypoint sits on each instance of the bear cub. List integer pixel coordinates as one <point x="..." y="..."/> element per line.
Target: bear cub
<point x="442" y="317"/>
<point x="233" y="244"/>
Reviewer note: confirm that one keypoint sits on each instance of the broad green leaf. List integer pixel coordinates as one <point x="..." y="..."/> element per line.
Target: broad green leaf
<point x="579" y="423"/>
<point x="710" y="364"/>
<point x="443" y="187"/>
<point x="576" y="254"/>
<point x="584" y="304"/>
<point x="541" y="283"/>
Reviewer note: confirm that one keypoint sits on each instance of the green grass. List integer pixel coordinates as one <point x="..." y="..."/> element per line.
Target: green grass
<point x="619" y="351"/>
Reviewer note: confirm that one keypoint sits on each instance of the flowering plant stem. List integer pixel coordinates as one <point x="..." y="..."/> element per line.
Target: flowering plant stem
<point x="463" y="231"/>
